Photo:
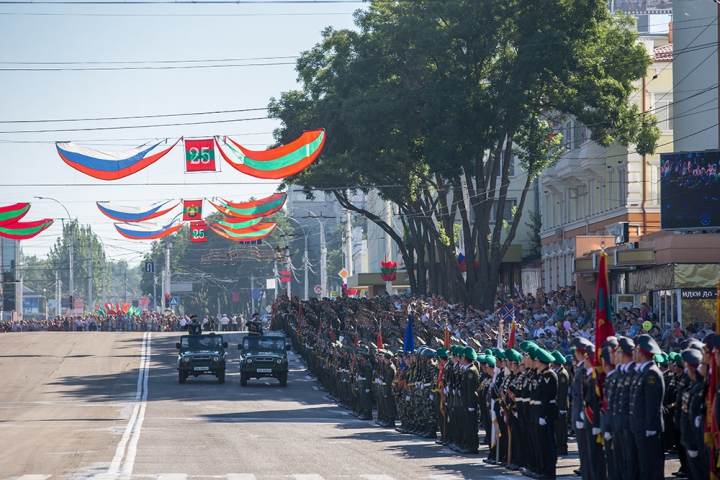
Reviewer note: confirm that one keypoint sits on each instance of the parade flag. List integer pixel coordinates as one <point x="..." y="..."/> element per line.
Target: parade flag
<point x="513" y="333"/>
<point x="379" y="342"/>
<point x="319" y="327"/>
<point x="200" y="155"/>
<point x="285" y="276"/>
<point x="603" y="324"/>
<point x="409" y="344"/>
<point x="192" y="210"/>
<point x="355" y="339"/>
<point x="198" y="232"/>
<point x="300" y="310"/>
<point x="446" y="340"/>
<point x="332" y="335"/>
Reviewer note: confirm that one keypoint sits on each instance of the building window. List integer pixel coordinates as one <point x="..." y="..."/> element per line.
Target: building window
<point x="622" y="188"/>
<point x="510" y="204"/>
<point x="663" y="109"/>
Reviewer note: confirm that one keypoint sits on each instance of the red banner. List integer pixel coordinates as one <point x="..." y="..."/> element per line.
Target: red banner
<point x="603" y="318"/>
<point x="198" y="232"/>
<point x="192" y="210"/>
<point x="200" y="155"/>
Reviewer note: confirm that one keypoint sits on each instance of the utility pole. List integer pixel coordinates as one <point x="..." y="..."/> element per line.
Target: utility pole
<point x="289" y="268"/>
<point x="323" y="260"/>
<point x="155" y="292"/>
<point x="275" y="273"/>
<point x="168" y="245"/>
<point x="306" y="260"/>
<point x="90" y="276"/>
<point x="388" y="242"/>
<point x="348" y="234"/>
<point x="58" y="300"/>
<point x="104" y="282"/>
<point x="125" y="284"/>
<point x="252" y="293"/>
<point x="72" y="263"/>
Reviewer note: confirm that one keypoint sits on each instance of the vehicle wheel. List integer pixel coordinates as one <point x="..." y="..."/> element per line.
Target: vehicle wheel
<point x="244" y="378"/>
<point x="183" y="376"/>
<point x="282" y="377"/>
<point x="221" y="376"/>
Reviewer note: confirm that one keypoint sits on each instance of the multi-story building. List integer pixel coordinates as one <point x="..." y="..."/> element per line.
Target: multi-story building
<point x="594" y="193"/>
<point x="10" y="285"/>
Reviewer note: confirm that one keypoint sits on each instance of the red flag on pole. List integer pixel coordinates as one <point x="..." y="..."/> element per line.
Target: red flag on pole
<point x="320" y="327"/>
<point x="332" y="335"/>
<point x="446" y="342"/>
<point x="511" y="338"/>
<point x="355" y="339"/>
<point x="603" y="324"/>
<point x="379" y="338"/>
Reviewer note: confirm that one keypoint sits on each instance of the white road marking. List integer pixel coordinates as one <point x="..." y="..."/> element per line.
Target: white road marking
<point x="172" y="476"/>
<point x="33" y="477"/>
<point x="240" y="476"/>
<point x="131" y="435"/>
<point x="311" y="476"/>
<point x="377" y="477"/>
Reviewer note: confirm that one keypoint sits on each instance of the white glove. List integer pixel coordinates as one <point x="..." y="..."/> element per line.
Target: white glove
<point x="607" y="436"/>
<point x="367" y="390"/>
<point x="596" y="431"/>
<point x="692" y="453"/>
<point x="422" y="386"/>
<point x="471" y="409"/>
<point x="516" y="415"/>
<point x="697" y="421"/>
<point x="563" y="412"/>
<point x="431" y="397"/>
<point x="579" y="425"/>
<point x="407" y="398"/>
<point x="542" y="421"/>
<point x="650" y="433"/>
<point x="582" y="415"/>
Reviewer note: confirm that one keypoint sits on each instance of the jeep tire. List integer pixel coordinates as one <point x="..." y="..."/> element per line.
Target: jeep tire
<point x="221" y="376"/>
<point x="282" y="377"/>
<point x="183" y="376"/>
<point x="244" y="378"/>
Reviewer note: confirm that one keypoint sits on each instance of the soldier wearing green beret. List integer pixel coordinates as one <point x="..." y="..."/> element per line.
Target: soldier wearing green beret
<point x="561" y="432"/>
<point x="469" y="401"/>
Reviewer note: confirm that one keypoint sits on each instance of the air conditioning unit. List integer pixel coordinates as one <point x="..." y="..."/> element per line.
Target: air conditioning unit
<point x="559" y="232"/>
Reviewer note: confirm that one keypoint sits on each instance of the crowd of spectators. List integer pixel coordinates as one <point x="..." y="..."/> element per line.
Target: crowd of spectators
<point x="551" y="319"/>
<point x="146" y="322"/>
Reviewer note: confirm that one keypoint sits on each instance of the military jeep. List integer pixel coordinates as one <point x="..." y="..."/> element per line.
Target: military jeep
<point x="201" y="355"/>
<point x="264" y="356"/>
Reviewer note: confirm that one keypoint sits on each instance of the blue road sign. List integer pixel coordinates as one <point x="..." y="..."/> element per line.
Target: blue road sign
<point x="150" y="267"/>
<point x="174" y="301"/>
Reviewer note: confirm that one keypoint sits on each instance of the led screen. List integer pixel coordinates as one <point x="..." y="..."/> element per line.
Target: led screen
<point x="690" y="190"/>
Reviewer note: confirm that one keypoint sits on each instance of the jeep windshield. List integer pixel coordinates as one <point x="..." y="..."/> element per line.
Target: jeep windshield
<point x="264" y="343"/>
<point x="201" y="341"/>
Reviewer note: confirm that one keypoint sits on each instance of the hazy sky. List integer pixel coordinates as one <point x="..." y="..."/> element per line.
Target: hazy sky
<point x="127" y="39"/>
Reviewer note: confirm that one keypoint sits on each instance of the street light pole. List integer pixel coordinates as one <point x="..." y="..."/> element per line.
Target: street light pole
<point x="72" y="252"/>
<point x="306" y="258"/>
<point x="323" y="251"/>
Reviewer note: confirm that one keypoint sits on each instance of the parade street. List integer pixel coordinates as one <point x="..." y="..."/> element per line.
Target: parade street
<point x="107" y="405"/>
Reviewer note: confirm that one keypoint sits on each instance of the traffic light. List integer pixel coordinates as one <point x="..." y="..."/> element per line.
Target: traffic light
<point x="167" y="300"/>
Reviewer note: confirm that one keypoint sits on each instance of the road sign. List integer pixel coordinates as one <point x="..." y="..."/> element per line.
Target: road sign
<point x="318" y="289"/>
<point x="343" y="273"/>
<point x="174" y="301"/>
<point x="150" y="267"/>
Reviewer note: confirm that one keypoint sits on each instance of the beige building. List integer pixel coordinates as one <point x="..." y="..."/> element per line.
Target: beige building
<point x="594" y="196"/>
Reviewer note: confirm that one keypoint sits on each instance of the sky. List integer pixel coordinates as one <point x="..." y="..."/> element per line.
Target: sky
<point x="93" y="61"/>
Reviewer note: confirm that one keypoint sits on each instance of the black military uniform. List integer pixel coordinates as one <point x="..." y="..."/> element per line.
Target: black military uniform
<point x="646" y="420"/>
<point x="194" y="327"/>
<point x="254" y="326"/>
<point x="547" y="415"/>
<point x="561" y="432"/>
<point x="469" y="402"/>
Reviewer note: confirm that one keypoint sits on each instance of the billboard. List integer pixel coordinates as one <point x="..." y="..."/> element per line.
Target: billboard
<point x="641" y="7"/>
<point x="690" y="190"/>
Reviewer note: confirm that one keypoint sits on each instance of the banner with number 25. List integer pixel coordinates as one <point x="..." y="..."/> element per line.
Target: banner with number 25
<point x="200" y="155"/>
<point x="198" y="232"/>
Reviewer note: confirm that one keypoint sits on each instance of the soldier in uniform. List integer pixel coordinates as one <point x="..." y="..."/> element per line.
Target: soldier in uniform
<point x="194" y="327"/>
<point x="577" y="417"/>
<point x="691" y="426"/>
<point x="561" y="432"/>
<point x="438" y="393"/>
<point x="254" y="326"/>
<point x="623" y="440"/>
<point x="469" y="400"/>
<point x="608" y="361"/>
<point x="646" y="421"/>
<point x="389" y="376"/>
<point x="682" y="381"/>
<point x="547" y="414"/>
<point x="364" y="382"/>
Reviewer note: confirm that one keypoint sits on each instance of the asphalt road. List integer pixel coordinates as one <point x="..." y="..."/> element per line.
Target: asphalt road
<point x="109" y="406"/>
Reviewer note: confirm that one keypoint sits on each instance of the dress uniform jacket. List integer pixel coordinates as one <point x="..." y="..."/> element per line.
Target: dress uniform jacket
<point x="646" y="398"/>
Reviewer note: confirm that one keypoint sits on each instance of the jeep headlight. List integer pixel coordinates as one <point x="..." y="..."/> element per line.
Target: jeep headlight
<point x="248" y="361"/>
<point x="216" y="359"/>
<point x="279" y="361"/>
<point x="187" y="359"/>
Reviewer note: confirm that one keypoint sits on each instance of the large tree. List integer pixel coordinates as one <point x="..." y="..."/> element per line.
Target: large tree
<point x="428" y="102"/>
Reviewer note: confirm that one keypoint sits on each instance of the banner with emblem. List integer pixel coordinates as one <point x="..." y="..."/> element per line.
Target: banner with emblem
<point x="198" y="232"/>
<point x="192" y="210"/>
<point x="603" y="324"/>
<point x="200" y="155"/>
